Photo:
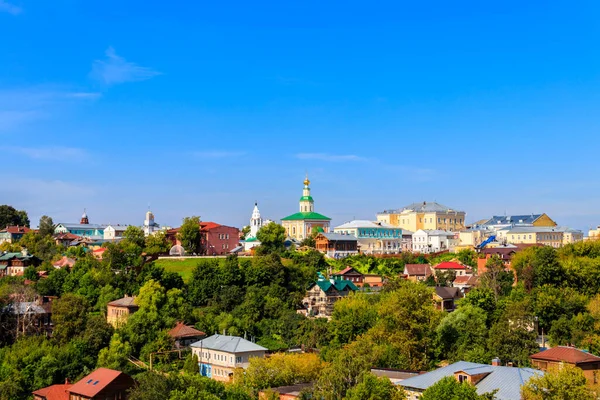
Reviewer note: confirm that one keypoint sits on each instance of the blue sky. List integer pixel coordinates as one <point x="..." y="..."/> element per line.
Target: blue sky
<point x="201" y="108"/>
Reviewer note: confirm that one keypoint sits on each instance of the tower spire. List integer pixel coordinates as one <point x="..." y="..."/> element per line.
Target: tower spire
<point x="306" y="201"/>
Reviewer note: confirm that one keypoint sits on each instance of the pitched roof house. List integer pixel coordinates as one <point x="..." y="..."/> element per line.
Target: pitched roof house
<point x="64" y="262"/>
<point x="336" y="245"/>
<point x="12" y="234"/>
<point x="350" y="274"/>
<point x="552" y="358"/>
<point x="417" y="272"/>
<point x="486" y="378"/>
<point x="185" y="335"/>
<point x="444" y="297"/>
<point x="54" y="392"/>
<point x="102" y="384"/>
<point x="322" y="295"/>
<point x="219" y="355"/>
<point x="118" y="311"/>
<point x="459" y="269"/>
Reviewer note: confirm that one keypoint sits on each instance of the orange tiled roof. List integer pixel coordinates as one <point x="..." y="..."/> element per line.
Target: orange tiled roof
<point x="54" y="392"/>
<point x="181" y="331"/>
<point x="566" y="354"/>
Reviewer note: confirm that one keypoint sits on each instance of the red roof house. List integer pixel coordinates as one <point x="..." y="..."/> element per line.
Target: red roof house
<point x="54" y="392"/>
<point x="352" y="275"/>
<point x="451" y="266"/>
<point x="184" y="335"/>
<point x="64" y="262"/>
<point x="102" y="384"/>
<point x="554" y="357"/>
<point x="417" y="272"/>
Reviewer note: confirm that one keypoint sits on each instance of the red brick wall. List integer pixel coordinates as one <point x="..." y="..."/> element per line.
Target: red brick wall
<point x="220" y="240"/>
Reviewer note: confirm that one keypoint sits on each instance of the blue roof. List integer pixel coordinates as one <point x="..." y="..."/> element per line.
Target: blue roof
<point x="507" y="380"/>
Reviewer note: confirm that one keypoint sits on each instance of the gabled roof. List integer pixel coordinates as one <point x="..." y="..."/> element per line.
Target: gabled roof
<point x="417" y="269"/>
<point x="338" y="237"/>
<point x="346" y="271"/>
<point x="228" y="344"/>
<point x="54" y="392"/>
<point x="301" y="216"/>
<point x="449" y="265"/>
<point x="69" y="225"/>
<point x="512" y="219"/>
<point x="183" y="331"/>
<point x="64" y="262"/>
<point x="447" y="292"/>
<point x="469" y="280"/>
<point x="566" y="354"/>
<point x="425" y="206"/>
<point x="128" y="302"/>
<point x="338" y="284"/>
<point x="507" y="380"/>
<point x="95" y="382"/>
<point x="14" y="230"/>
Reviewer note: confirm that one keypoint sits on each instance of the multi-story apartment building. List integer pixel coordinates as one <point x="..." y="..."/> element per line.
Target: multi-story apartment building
<point x="425" y="215"/>
<point x="544" y="235"/>
<point x="220" y="355"/>
<point x="373" y="237"/>
<point x="498" y="222"/>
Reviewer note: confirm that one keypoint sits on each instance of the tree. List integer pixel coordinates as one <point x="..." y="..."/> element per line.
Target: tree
<point x="462" y="334"/>
<point x="373" y="388"/>
<point x="449" y="388"/>
<point x="189" y="235"/>
<point x="134" y="235"/>
<point x="115" y="356"/>
<point x="9" y="216"/>
<point x="272" y="238"/>
<point x="352" y="316"/>
<point x="157" y="243"/>
<point x="69" y="314"/>
<point x="512" y="343"/>
<point x="496" y="278"/>
<point x="46" y="226"/>
<point x="467" y="257"/>
<point x="310" y="239"/>
<point x="445" y="277"/>
<point x="282" y="369"/>
<point x="245" y="231"/>
<point x="564" y="383"/>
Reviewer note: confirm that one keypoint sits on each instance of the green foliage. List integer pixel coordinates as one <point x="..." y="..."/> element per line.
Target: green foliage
<point x="43" y="247"/>
<point x="69" y="314"/>
<point x="115" y="356"/>
<point x="282" y="370"/>
<point x="462" y="335"/>
<point x="46" y="226"/>
<point x="467" y="257"/>
<point x="511" y="342"/>
<point x="496" y="278"/>
<point x="272" y="239"/>
<point x="157" y="243"/>
<point x="371" y="387"/>
<point x="566" y="382"/>
<point x="445" y="277"/>
<point x="352" y="316"/>
<point x="449" y="388"/>
<point x="9" y="216"/>
<point x="189" y="235"/>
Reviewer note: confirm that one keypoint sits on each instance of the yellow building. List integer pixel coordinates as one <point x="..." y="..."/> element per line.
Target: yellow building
<point x="118" y="311"/>
<point x="547" y="236"/>
<point x="426" y="216"/>
<point x="301" y="224"/>
<point x="594" y="234"/>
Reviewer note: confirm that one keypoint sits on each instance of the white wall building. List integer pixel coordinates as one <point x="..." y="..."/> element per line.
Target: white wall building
<point x="256" y="222"/>
<point x="149" y="225"/>
<point x="433" y="241"/>
<point x="114" y="232"/>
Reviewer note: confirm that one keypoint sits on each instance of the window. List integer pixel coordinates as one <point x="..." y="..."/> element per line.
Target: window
<point x="227" y="236"/>
<point x="462" y="378"/>
<point x="439" y="220"/>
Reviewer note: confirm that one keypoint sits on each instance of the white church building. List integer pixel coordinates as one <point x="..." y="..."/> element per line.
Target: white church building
<point x="256" y="222"/>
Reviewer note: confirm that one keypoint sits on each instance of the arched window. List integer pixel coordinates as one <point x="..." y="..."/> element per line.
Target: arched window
<point x="293" y="230"/>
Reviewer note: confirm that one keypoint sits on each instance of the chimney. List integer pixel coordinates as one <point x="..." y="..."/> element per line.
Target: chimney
<point x="496" y="362"/>
<point x="509" y="364"/>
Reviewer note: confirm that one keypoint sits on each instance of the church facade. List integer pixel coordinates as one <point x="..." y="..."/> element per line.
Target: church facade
<point x="301" y="224"/>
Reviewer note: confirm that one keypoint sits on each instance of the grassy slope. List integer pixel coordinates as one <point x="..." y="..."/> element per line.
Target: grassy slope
<point x="183" y="267"/>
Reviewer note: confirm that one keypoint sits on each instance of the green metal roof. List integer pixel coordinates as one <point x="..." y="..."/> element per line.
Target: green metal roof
<point x="307" y="198"/>
<point x="251" y="239"/>
<point x="339" y="285"/>
<point x="300" y="216"/>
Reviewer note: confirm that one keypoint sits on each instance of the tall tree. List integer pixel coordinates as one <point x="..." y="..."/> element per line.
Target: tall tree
<point x="272" y="238"/>
<point x="496" y="278"/>
<point x="9" y="216"/>
<point x="69" y="314"/>
<point x="373" y="388"/>
<point x="157" y="243"/>
<point x="46" y="226"/>
<point x="189" y="235"/>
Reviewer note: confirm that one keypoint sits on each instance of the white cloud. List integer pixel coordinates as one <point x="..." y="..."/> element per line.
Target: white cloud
<point x="329" y="157"/>
<point x="114" y="69"/>
<point x="55" y="153"/>
<point x="218" y="154"/>
<point x="9" y="8"/>
<point x="22" y="105"/>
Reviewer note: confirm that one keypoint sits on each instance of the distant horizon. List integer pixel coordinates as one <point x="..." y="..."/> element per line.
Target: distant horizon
<point x="203" y="109"/>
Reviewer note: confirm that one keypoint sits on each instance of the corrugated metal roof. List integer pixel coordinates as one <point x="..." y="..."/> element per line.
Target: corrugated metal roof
<point x="228" y="344"/>
<point x="362" y="223"/>
<point x="507" y="380"/>
<point x="339" y="236"/>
